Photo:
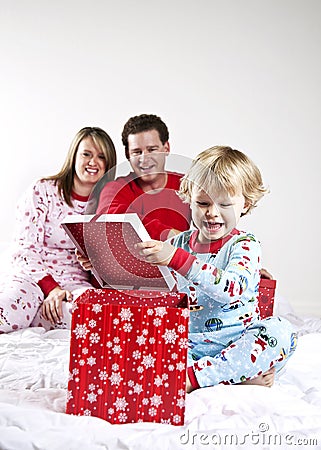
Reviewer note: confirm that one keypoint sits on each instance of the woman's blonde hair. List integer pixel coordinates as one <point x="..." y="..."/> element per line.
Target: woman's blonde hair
<point x="65" y="178"/>
<point x="223" y="168"/>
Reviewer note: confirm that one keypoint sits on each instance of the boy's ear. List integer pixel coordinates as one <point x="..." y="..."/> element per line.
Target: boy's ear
<point x="246" y="207"/>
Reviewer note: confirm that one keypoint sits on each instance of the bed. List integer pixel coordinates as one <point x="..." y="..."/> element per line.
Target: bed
<point x="33" y="385"/>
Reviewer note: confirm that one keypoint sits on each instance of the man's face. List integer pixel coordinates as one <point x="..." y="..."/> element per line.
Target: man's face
<point x="147" y="156"/>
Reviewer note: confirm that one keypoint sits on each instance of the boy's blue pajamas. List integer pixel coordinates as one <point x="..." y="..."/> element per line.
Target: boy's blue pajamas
<point x="228" y="342"/>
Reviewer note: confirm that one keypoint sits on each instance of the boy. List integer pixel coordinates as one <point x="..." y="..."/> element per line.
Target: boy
<point x="219" y="268"/>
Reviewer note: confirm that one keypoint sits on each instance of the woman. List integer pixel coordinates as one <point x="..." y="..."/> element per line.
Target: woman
<point x="45" y="269"/>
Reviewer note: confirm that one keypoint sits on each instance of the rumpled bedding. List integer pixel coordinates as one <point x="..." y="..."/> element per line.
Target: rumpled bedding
<point x="33" y="385"/>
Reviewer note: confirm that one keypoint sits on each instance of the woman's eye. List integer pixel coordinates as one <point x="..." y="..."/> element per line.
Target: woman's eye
<point x="86" y="154"/>
<point x="225" y="205"/>
<point x="102" y="157"/>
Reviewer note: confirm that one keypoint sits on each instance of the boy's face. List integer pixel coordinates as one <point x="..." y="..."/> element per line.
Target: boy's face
<point x="217" y="214"/>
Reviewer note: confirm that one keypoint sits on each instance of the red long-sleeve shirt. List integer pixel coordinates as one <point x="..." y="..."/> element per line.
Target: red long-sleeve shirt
<point x="159" y="211"/>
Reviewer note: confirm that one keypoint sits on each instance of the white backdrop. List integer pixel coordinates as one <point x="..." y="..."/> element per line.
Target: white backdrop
<point x="244" y="73"/>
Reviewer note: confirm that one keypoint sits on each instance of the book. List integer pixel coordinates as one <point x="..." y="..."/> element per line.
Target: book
<point x="108" y="240"/>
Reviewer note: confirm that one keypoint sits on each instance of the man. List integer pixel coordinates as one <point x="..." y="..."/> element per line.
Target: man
<point x="149" y="190"/>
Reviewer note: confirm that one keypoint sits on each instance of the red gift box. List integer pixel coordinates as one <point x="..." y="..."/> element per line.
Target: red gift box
<point x="266" y="297"/>
<point x="128" y="356"/>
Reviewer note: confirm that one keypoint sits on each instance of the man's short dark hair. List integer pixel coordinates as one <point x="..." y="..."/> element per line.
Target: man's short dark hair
<point x="144" y="122"/>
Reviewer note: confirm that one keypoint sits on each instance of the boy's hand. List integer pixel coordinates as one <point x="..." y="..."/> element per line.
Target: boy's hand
<point x="265" y="274"/>
<point x="156" y="252"/>
<point x="83" y="261"/>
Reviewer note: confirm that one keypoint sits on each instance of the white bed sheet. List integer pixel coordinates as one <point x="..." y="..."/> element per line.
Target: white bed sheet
<point x="33" y="381"/>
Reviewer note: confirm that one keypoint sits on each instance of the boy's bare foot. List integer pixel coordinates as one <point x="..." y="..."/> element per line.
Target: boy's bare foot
<point x="265" y="379"/>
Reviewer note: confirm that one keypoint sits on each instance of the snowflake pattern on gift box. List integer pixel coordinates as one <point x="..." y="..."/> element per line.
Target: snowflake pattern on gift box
<point x="136" y="347"/>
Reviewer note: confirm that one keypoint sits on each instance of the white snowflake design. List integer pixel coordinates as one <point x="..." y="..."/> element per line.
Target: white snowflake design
<point x="183" y="343"/>
<point x="103" y="375"/>
<point x="120" y="403"/>
<point x="94" y="338"/>
<point x="181" y="328"/>
<point x="115" y="367"/>
<point x="161" y="311"/>
<point x="152" y="412"/>
<point x="91" y="397"/>
<point x="138" y="388"/>
<point x="91" y="361"/>
<point x="128" y="327"/>
<point x="170" y="336"/>
<point x="122" y="417"/>
<point x="125" y="314"/>
<point x="141" y="340"/>
<point x="97" y="308"/>
<point x="80" y="331"/>
<point x="180" y="402"/>
<point x="69" y="396"/>
<point x="174" y="356"/>
<point x="158" y="381"/>
<point x="87" y="412"/>
<point x="117" y="349"/>
<point x="180" y="366"/>
<point x="148" y="361"/>
<point x="115" y="378"/>
<point x="116" y="321"/>
<point x="91" y="387"/>
<point x="85" y="350"/>
<point x="156" y="400"/>
<point x="185" y="312"/>
<point x="157" y="322"/>
<point x="92" y="323"/>
<point x="176" y="419"/>
<point x="136" y="354"/>
<point x="150" y="312"/>
<point x="81" y="362"/>
<point x="116" y="340"/>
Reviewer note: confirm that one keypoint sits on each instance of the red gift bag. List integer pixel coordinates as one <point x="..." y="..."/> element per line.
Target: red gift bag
<point x="128" y="356"/>
<point x="266" y="297"/>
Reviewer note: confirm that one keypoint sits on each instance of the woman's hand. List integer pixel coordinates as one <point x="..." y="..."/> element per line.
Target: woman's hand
<point x="51" y="306"/>
<point x="83" y="261"/>
<point x="156" y="252"/>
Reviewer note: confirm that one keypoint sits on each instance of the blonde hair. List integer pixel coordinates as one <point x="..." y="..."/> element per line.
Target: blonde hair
<point x="223" y="168"/>
<point x="65" y="178"/>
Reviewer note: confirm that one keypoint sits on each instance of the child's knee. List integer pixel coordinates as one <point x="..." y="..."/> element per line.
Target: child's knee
<point x="283" y="334"/>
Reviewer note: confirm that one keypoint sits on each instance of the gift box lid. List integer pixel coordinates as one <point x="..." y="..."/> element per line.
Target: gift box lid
<point x="108" y="240"/>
